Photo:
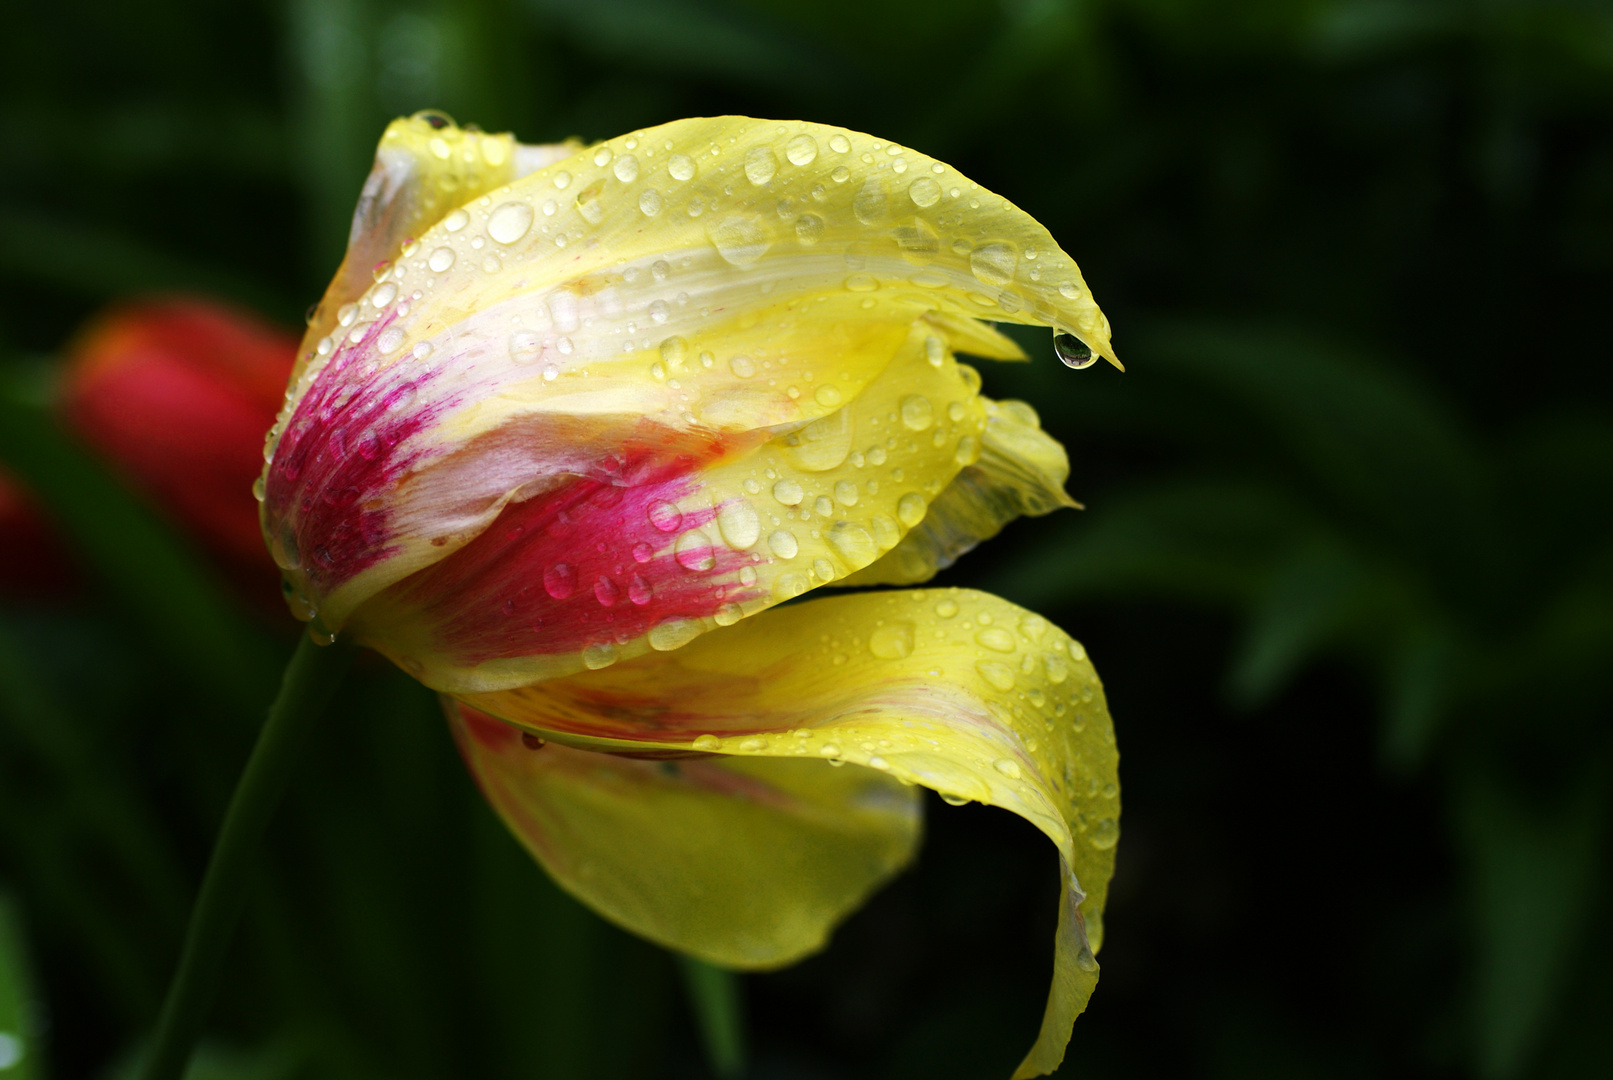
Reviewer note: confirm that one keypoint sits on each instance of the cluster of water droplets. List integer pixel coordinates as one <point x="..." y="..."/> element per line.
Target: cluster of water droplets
<point x="1049" y="742"/>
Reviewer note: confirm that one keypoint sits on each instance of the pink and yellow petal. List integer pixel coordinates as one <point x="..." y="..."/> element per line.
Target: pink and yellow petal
<point x="724" y="275"/>
<point x="744" y="862"/>
<point x="953" y="690"/>
<point x="651" y="553"/>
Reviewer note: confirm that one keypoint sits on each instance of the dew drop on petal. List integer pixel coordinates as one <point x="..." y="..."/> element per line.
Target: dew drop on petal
<point x="509" y="222"/>
<point x="560" y="580"/>
<point x="601" y="655"/>
<point x="801" y="150"/>
<point x="674" y="633"/>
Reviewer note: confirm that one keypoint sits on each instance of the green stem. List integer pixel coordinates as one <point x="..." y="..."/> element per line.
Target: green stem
<point x="714" y="994"/>
<point x="310" y="680"/>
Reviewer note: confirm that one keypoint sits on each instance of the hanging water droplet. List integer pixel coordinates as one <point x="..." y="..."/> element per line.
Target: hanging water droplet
<point x="600" y="655"/>
<point x="955" y="800"/>
<point x="1073" y="351"/>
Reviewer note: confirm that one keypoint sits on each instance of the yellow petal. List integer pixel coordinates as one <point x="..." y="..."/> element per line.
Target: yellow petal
<point x="747" y="863"/>
<point x="425" y="166"/>
<point x="1021" y="470"/>
<point x="954" y="690"/>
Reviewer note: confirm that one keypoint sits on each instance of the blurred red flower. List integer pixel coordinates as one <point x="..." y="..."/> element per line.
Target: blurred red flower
<point x="175" y="395"/>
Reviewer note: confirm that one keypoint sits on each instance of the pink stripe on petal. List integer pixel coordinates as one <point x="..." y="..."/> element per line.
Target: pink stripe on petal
<point x="591" y="561"/>
<point x="343" y="447"/>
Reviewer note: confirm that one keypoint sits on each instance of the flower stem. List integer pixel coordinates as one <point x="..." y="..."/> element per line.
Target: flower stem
<point x="714" y="995"/>
<point x="309" y="683"/>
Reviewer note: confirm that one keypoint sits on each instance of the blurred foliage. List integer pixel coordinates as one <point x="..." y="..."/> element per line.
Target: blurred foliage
<point x="1347" y="567"/>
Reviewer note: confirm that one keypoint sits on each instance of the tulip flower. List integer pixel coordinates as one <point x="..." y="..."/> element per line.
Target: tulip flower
<point x="571" y="425"/>
<point x="175" y="394"/>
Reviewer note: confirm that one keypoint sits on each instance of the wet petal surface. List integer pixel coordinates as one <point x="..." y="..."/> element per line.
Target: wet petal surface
<point x="954" y="690"/>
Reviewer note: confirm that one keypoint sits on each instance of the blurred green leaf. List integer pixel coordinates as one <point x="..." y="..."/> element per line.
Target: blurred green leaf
<point x="21" y="1051"/>
<point x="158" y="577"/>
<point x="1536" y="867"/>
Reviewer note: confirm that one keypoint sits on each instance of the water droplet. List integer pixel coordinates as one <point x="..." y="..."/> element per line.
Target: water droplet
<point x="665" y="516"/>
<point x="659" y="312"/>
<point x="421" y="351"/>
<point x="456" y="220"/>
<point x="998" y="675"/>
<point x="917" y="413"/>
<point x="946" y="608"/>
<point x="525" y="347"/>
<point x="743" y="366"/>
<point x="839" y="143"/>
<point x="886" y="534"/>
<point x="650" y="202"/>
<point x="391" y="340"/>
<point x="681" y="167"/>
<point x="1008" y="767"/>
<point x="284" y="549"/>
<point x="808" y="229"/>
<point x="601" y="655"/>
<point x="739" y="524"/>
<point x="551" y="372"/>
<point x="642" y="552"/>
<point x="562" y="180"/>
<point x="560" y="580"/>
<point x="823" y="569"/>
<point x="968" y="451"/>
<point x="821" y="445"/>
<point x="996" y="638"/>
<point x="862" y="283"/>
<point x="871" y="203"/>
<point x="840" y="175"/>
<point x="626" y="168"/>
<point x="852" y="543"/>
<point x="639" y="590"/>
<point x="1069" y="290"/>
<point x="740" y="239"/>
<point x="674" y="351"/>
<point x="846" y="493"/>
<point x="728" y="614"/>
<point x="760" y="165"/>
<point x="1105" y="834"/>
<point x="924" y="191"/>
<point x="910" y="508"/>
<point x="602" y="156"/>
<point x="674" y="633"/>
<point x="955" y="800"/>
<point x="788" y="492"/>
<point x="1085" y="960"/>
<point x="1073" y="351"/>
<point x="790" y="585"/>
<point x="510" y="222"/>
<point x="753" y="745"/>
<point x="747" y="576"/>
<point x="606" y="591"/>
<point x="707" y="743"/>
<point x="694" y="551"/>
<point x="994" y="264"/>
<point x="801" y="150"/>
<point x="1057" y="669"/>
<point x="822" y="506"/>
<point x="441" y="259"/>
<point x="589" y="203"/>
<point x="827" y="396"/>
<point x="783" y="544"/>
<point x="893" y="641"/>
<point x="830" y="750"/>
<point x="384" y="295"/>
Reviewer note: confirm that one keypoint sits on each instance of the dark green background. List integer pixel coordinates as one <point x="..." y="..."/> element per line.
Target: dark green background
<point x="1347" y="567"/>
